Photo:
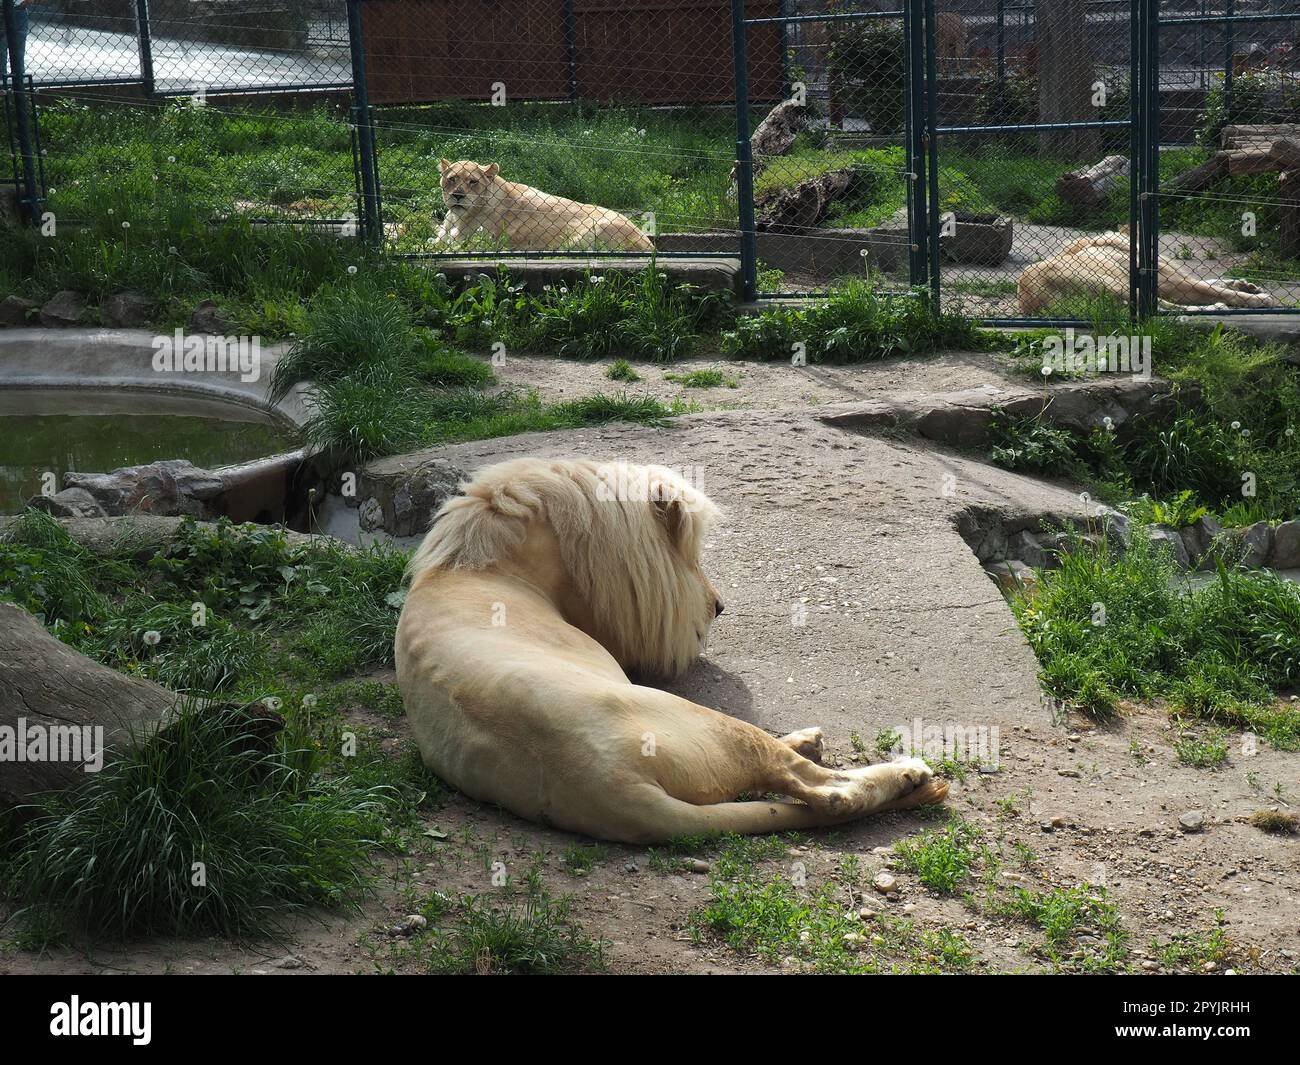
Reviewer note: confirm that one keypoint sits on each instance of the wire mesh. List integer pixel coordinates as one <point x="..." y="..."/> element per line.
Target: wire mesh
<point x="988" y="143"/>
<point x="831" y="164"/>
<point x="182" y="46"/>
<point x="1033" y="156"/>
<point x="531" y="127"/>
<point x="1229" y="191"/>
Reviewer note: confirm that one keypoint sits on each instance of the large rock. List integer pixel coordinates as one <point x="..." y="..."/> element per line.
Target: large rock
<point x="401" y="494"/>
<point x="170" y="487"/>
<point x="1208" y="532"/>
<point x="66" y="308"/>
<point x="207" y="317"/>
<point x="961" y="418"/>
<point x="61" y="714"/>
<point x="69" y="503"/>
<point x="1169" y="538"/>
<point x="14" y="310"/>
<point x="1257" y="545"/>
<point x="1286" y="546"/>
<point x="127" y="310"/>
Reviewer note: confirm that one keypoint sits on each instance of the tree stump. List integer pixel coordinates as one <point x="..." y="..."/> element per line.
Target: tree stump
<point x="1091" y="186"/>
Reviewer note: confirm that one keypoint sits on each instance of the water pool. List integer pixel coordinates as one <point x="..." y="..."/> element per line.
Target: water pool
<point x="92" y="432"/>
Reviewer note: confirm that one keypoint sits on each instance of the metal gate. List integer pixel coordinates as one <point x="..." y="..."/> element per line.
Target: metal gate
<point x="854" y="94"/>
<point x="1108" y="137"/>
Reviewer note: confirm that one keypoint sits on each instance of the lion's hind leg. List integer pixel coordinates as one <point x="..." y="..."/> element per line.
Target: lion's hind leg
<point x="651" y="815"/>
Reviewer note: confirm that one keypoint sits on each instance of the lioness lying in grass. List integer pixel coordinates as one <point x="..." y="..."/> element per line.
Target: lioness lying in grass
<point x="521" y="218"/>
<point x="1100" y="265"/>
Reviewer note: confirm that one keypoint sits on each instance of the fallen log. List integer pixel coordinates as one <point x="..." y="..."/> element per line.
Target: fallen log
<point x="1201" y="177"/>
<point x="777" y="132"/>
<point x="800" y="207"/>
<point x="1240" y="136"/>
<point x="63" y="715"/>
<point x="1091" y="186"/>
<point x="1286" y="151"/>
<point x="1251" y="161"/>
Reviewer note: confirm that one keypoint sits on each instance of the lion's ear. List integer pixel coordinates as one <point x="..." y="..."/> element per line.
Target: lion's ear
<point x="672" y="512"/>
<point x="491" y="170"/>
<point x="443" y="165"/>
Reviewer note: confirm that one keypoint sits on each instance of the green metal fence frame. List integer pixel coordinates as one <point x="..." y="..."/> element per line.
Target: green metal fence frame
<point x="921" y="135"/>
<point x="920" y="170"/>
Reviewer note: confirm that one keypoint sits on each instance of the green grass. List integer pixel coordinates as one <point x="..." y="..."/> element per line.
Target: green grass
<point x="1206" y="750"/>
<point x="1192" y="950"/>
<point x="622" y="370"/>
<point x="768" y="914"/>
<point x="941" y="858"/>
<point x="386" y="378"/>
<point x="703" y="379"/>
<point x="1218" y="652"/>
<point x="1237" y="412"/>
<point x="288" y="827"/>
<point x="855" y="324"/>
<point x="579" y="859"/>
<point x="197" y="832"/>
<point x="1065" y="915"/>
<point x="262" y="600"/>
<point x="537" y="935"/>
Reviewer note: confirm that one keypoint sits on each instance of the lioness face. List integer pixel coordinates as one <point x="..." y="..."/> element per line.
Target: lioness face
<point x="466" y="185"/>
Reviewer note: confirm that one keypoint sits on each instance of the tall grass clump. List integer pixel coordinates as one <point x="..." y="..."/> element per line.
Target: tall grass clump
<point x="855" y="324"/>
<point x="195" y="832"/>
<point x="1112" y="624"/>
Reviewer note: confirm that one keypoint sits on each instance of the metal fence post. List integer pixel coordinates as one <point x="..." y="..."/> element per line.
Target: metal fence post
<point x="370" y="223"/>
<point x="1229" y="42"/>
<point x="144" y="34"/>
<point x="1136" y="100"/>
<point x="744" y="157"/>
<point x="918" y="230"/>
<point x="1149" y="156"/>
<point x="20" y="86"/>
<point x="571" y="48"/>
<point x="932" y="145"/>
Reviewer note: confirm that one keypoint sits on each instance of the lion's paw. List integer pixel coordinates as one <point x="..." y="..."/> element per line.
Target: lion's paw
<point x="808" y="742"/>
<point x="913" y="772"/>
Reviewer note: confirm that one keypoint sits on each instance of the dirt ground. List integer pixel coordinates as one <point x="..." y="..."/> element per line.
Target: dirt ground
<point x="855" y="535"/>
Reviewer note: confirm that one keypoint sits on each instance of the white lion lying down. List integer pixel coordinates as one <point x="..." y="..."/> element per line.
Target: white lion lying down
<point x="1100" y="264"/>
<point x="530" y="596"/>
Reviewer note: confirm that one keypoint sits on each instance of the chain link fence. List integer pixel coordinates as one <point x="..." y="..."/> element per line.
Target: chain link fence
<point x="832" y="169"/>
<point x="1229" y="188"/>
<point x="1020" y="159"/>
<point x="530" y="127"/>
<point x="182" y="46"/>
